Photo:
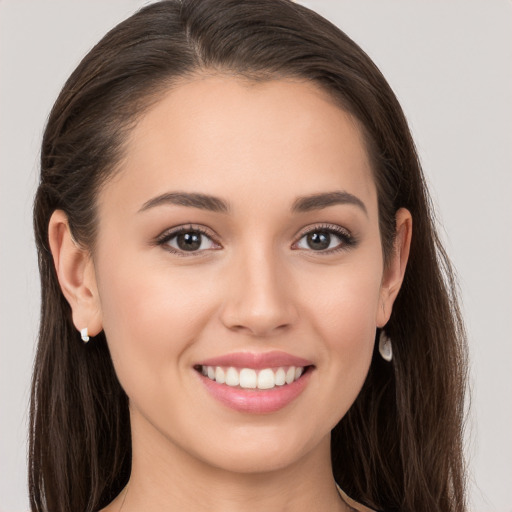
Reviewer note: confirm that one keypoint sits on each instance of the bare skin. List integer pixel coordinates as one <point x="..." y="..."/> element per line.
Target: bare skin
<point x="257" y="280"/>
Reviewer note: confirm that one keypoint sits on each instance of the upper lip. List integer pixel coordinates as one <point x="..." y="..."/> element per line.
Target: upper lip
<point x="256" y="360"/>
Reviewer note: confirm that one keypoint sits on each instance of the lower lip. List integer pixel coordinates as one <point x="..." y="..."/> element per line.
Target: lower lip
<point x="253" y="400"/>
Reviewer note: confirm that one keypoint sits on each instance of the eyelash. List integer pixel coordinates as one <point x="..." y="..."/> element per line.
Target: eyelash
<point x="347" y="240"/>
<point x="167" y="236"/>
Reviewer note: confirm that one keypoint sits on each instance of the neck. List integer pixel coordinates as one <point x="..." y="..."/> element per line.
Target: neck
<point x="166" y="477"/>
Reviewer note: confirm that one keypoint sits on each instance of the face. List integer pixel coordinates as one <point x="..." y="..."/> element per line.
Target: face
<point x="240" y="240"/>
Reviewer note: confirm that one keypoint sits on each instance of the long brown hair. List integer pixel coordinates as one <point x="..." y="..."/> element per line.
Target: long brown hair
<point x="400" y="445"/>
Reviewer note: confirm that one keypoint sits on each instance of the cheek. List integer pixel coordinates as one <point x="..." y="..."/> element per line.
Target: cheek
<point x="343" y="313"/>
<point x="150" y="318"/>
<point x="345" y="308"/>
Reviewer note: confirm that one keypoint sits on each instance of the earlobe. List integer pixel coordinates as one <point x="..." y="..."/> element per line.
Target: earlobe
<point x="395" y="270"/>
<point x="75" y="272"/>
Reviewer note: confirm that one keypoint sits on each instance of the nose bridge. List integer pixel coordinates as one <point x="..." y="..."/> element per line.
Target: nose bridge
<point x="258" y="299"/>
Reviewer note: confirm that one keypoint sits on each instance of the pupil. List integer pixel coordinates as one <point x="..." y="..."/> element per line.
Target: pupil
<point x="319" y="240"/>
<point x="189" y="241"/>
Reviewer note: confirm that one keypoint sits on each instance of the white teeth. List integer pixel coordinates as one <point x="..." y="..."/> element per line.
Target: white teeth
<point x="266" y="379"/>
<point x="280" y="377"/>
<point x="232" y="377"/>
<point x="220" y="376"/>
<point x="290" y="375"/>
<point x="248" y="378"/>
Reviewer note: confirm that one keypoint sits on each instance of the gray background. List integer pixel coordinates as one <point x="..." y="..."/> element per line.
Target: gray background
<point x="449" y="63"/>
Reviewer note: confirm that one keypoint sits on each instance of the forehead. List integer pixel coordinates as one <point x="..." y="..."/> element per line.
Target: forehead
<point x="252" y="141"/>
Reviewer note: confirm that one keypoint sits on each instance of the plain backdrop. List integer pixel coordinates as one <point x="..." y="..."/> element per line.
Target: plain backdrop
<point x="449" y="63"/>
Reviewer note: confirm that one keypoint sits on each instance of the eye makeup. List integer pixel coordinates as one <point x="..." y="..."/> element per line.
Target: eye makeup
<point x="321" y="234"/>
<point x="192" y="237"/>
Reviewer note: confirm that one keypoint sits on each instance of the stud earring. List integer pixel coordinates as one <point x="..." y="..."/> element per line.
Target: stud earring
<point x="84" y="333"/>
<point x="385" y="347"/>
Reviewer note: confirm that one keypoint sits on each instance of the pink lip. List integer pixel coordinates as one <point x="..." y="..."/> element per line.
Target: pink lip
<point x="256" y="360"/>
<point x="253" y="400"/>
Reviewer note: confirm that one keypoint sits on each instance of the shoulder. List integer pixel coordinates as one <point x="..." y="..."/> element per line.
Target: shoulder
<point x="352" y="503"/>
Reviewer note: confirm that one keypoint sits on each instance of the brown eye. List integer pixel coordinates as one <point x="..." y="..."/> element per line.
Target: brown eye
<point x="318" y="240"/>
<point x="187" y="240"/>
<point x="326" y="239"/>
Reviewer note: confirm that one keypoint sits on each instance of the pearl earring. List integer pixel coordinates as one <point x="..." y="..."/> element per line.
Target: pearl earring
<point x="385" y="347"/>
<point x="84" y="333"/>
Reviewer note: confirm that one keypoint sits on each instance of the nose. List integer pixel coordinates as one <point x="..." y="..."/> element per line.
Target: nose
<point x="259" y="296"/>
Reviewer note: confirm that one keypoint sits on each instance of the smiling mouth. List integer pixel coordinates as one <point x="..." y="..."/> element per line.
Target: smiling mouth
<point x="249" y="378"/>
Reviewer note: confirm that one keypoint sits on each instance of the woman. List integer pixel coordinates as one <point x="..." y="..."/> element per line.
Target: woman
<point x="245" y="302"/>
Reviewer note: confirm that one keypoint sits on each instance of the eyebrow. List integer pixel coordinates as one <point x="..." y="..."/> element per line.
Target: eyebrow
<point x="325" y="199"/>
<point x="191" y="199"/>
<point x="215" y="204"/>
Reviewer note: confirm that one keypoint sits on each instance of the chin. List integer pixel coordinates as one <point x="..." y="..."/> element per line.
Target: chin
<point x="253" y="453"/>
<point x="260" y="462"/>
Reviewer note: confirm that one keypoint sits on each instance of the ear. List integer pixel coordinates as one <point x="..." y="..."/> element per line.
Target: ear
<point x="75" y="271"/>
<point x="395" y="270"/>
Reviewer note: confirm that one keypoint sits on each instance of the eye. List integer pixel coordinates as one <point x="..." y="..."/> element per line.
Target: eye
<point x="326" y="239"/>
<point x="187" y="240"/>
